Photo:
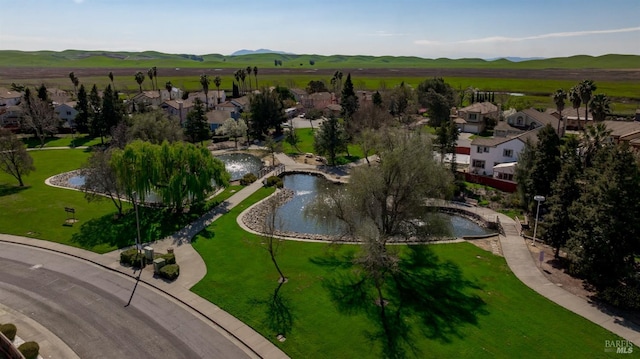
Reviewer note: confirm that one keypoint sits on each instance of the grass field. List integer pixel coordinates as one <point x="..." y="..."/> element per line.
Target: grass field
<point x="511" y="321"/>
<point x="306" y="146"/>
<point x="37" y="210"/>
<point x="62" y="141"/>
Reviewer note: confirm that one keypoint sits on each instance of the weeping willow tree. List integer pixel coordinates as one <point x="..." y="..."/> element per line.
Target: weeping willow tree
<point x="180" y="173"/>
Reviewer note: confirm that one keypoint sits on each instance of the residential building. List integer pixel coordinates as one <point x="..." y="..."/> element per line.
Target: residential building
<point x="489" y="152"/>
<point x="67" y="113"/>
<point x="524" y="121"/>
<point x="178" y="109"/>
<point x="216" y="118"/>
<point x="474" y="118"/>
<point x="9" y="98"/>
<point x="299" y="95"/>
<point x="10" y="116"/>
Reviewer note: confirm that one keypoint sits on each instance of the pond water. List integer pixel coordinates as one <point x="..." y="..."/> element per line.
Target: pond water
<point x="291" y="216"/>
<point x="76" y="181"/>
<point x="239" y="164"/>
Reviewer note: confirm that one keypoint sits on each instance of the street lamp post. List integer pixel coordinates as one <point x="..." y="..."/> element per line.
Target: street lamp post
<point x="138" y="247"/>
<point x="539" y="199"/>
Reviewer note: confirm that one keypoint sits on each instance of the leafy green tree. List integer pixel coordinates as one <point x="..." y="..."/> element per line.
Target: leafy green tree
<point x="204" y="82"/>
<point x="292" y="138"/>
<point x="196" y="128"/>
<point x="267" y="111"/>
<point x="565" y="191"/>
<point x="604" y="239"/>
<point x="558" y="98"/>
<point x="14" y="158"/>
<point x="112" y="110"/>
<point x="313" y="114"/>
<point x="155" y="127"/>
<point x="438" y="97"/>
<point x="600" y="107"/>
<point x="139" y="77"/>
<point x="330" y="139"/>
<point x="446" y="139"/>
<point x="82" y="106"/>
<point x="96" y="120"/>
<point x="402" y="101"/>
<point x="523" y="175"/>
<point x="348" y="99"/>
<point x="316" y="86"/>
<point x="546" y="164"/>
<point x="586" y="89"/>
<point x="233" y="128"/>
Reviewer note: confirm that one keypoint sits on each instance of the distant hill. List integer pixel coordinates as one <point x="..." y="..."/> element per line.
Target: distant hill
<point x="259" y="51"/>
<point x="516" y="59"/>
<point x="264" y="58"/>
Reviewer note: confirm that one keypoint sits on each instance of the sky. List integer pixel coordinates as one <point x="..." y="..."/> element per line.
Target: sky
<point x="423" y="28"/>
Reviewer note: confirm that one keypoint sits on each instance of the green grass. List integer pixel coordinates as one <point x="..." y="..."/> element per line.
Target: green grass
<point x="37" y="210"/>
<point x="306" y="146"/>
<point x="62" y="141"/>
<point x="514" y="321"/>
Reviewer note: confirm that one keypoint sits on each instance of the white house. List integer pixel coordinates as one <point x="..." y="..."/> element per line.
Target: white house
<point x="529" y="119"/>
<point x="489" y="152"/>
<point x="67" y="113"/>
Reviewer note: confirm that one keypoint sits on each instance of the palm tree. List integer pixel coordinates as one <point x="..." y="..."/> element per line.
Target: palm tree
<point x="169" y="87"/>
<point x="204" y="81"/>
<point x="243" y="77"/>
<point x="150" y="74"/>
<point x="559" y="97"/>
<point x="217" y="81"/>
<point x="248" y="70"/>
<point x="576" y="101"/>
<point x="255" y="74"/>
<point x="75" y="81"/>
<point x="586" y="90"/>
<point x="111" y="78"/>
<point x="155" y="76"/>
<point x="594" y="138"/>
<point x="236" y="75"/>
<point x="600" y="107"/>
<point x="140" y="79"/>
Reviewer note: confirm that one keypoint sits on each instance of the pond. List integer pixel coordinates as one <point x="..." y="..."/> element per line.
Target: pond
<point x="239" y="164"/>
<point x="291" y="218"/>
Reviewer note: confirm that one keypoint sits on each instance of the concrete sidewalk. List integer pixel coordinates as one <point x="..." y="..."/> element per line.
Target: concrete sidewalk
<point x="521" y="263"/>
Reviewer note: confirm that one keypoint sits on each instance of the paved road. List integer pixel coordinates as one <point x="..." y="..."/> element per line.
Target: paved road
<point x="83" y="305"/>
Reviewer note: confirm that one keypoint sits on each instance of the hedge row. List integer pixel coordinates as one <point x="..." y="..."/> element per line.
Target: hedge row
<point x="29" y="350"/>
<point x="170" y="271"/>
<point x="133" y="258"/>
<point x="9" y="330"/>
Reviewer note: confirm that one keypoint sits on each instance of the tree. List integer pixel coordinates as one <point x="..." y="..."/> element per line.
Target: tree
<point x="377" y="99"/>
<point x="111" y="79"/>
<point x="366" y="139"/>
<point x="14" y="158"/>
<point x="155" y="76"/>
<point x="446" y="139"/>
<point x="269" y="230"/>
<point x="292" y="138"/>
<point x="155" y="127"/>
<point x="600" y="107"/>
<point x="75" y="81"/>
<point x="369" y="116"/>
<point x="139" y="76"/>
<point x="204" y="82"/>
<point x="38" y="117"/>
<point x="316" y="86"/>
<point x="217" y="81"/>
<point x="522" y="174"/>
<point x="267" y="111"/>
<point x="96" y="125"/>
<point x="383" y="204"/>
<point x="594" y="138"/>
<point x="604" y="239"/>
<point x="196" y="128"/>
<point x="255" y="74"/>
<point x="546" y="163"/>
<point x="348" y="99"/>
<point x="232" y="128"/>
<point x="82" y="106"/>
<point x="150" y="74"/>
<point x="100" y="179"/>
<point x="576" y="101"/>
<point x="169" y="87"/>
<point x="43" y="94"/>
<point x="401" y="101"/>
<point x="586" y="88"/>
<point x="330" y="139"/>
<point x="112" y="110"/>
<point x="313" y="114"/>
<point x="558" y="98"/>
<point x="438" y="97"/>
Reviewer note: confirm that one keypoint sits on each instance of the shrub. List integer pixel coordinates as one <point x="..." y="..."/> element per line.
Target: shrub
<point x="274" y="181"/>
<point x="169" y="258"/>
<point x="9" y="330"/>
<point x="132" y="257"/>
<point x="622" y="296"/>
<point x="248" y="179"/>
<point x="170" y="271"/>
<point x="29" y="350"/>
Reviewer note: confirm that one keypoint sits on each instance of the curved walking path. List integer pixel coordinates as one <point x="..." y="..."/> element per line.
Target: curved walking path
<point x="522" y="264"/>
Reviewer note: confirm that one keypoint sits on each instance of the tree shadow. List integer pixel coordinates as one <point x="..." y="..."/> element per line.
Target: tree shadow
<point x="8" y="190"/>
<point x="423" y="297"/>
<point x="279" y="318"/>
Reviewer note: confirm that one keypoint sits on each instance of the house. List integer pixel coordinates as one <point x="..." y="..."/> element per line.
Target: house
<point x="58" y="96"/>
<point x="526" y="120"/>
<point x="572" y="116"/>
<point x="215" y="97"/>
<point x="299" y="95"/>
<point x="489" y="152"/>
<point x="10" y="116"/>
<point x="178" y="109"/>
<point x="242" y="103"/>
<point x="9" y="98"/>
<point x="473" y="118"/>
<point x="319" y="100"/>
<point x="625" y="131"/>
<point x="148" y="98"/>
<point x="332" y="110"/>
<point x="216" y="118"/>
<point x="67" y="113"/>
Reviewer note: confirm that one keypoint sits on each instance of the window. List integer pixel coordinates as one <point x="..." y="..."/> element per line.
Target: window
<point x="507" y="152"/>
<point x="505" y="176"/>
<point x="478" y="163"/>
<point x="479" y="149"/>
<point x="483" y="149"/>
<point x="520" y="120"/>
<point x="68" y="113"/>
<point x="473" y="116"/>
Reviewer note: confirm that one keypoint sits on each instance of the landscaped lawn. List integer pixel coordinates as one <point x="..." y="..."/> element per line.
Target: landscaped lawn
<point x="62" y="141"/>
<point x="306" y="146"/>
<point x="38" y="210"/>
<point x="512" y="321"/>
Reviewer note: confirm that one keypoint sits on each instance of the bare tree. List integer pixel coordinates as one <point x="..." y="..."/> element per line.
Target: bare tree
<point x="14" y="158"/>
<point x="38" y="117"/>
<point x="270" y="225"/>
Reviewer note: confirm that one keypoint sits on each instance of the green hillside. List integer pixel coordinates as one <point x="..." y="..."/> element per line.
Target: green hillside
<point x="121" y="59"/>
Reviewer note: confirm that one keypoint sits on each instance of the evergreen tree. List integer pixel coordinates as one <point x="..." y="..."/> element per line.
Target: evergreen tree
<point x="43" y="94"/>
<point x="348" y="99"/>
<point x="377" y="99"/>
<point x="267" y="112"/>
<point x="330" y="139"/>
<point x="82" y="106"/>
<point x="546" y="165"/>
<point x="112" y="110"/>
<point x="196" y="128"/>
<point x="96" y="120"/>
